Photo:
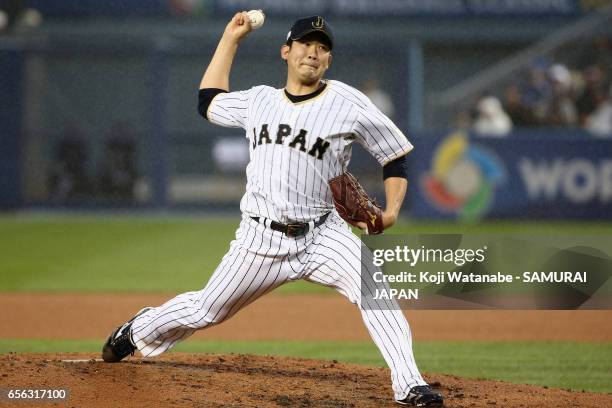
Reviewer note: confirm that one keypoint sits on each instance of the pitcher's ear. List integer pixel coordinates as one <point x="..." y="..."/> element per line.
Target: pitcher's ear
<point x="284" y="51"/>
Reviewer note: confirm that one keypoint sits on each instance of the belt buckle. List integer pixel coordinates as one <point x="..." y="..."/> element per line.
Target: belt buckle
<point x="296" y="230"/>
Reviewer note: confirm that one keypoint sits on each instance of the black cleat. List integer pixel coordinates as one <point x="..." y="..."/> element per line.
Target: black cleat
<point x="422" y="396"/>
<point x="119" y="344"/>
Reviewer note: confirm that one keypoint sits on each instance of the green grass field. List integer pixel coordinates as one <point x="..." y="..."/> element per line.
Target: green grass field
<point x="116" y="253"/>
<point x="154" y="253"/>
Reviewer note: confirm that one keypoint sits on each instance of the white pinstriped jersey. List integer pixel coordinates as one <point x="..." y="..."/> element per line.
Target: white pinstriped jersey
<point x="295" y="148"/>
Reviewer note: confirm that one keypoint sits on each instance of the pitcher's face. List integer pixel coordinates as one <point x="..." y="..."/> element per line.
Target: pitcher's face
<point x="307" y="58"/>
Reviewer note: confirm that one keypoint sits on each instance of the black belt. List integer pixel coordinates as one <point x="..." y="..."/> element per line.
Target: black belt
<point x="294" y="229"/>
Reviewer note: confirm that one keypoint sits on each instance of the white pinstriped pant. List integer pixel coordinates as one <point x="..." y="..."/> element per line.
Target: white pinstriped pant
<point x="261" y="259"/>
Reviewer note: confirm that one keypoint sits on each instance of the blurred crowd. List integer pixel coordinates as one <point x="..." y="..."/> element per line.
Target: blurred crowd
<point x="16" y="17"/>
<point x="74" y="175"/>
<point x="550" y="93"/>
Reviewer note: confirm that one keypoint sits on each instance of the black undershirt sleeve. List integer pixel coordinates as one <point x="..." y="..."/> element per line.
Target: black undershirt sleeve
<point x="205" y="97"/>
<point x="396" y="168"/>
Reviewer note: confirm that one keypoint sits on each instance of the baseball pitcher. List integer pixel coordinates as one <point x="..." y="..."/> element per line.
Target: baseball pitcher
<point x="294" y="225"/>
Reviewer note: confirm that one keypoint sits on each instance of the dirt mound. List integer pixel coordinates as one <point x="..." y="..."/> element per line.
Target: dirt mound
<point x="205" y="380"/>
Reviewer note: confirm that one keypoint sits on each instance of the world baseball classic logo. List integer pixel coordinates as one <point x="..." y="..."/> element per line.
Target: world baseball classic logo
<point x="463" y="177"/>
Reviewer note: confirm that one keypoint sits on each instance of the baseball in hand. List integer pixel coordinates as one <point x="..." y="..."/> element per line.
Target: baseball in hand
<point x="257" y="18"/>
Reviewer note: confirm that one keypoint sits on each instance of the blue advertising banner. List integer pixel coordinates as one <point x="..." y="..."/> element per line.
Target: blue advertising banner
<point x="71" y="8"/>
<point x="409" y="7"/>
<point x="97" y="8"/>
<point x="456" y="175"/>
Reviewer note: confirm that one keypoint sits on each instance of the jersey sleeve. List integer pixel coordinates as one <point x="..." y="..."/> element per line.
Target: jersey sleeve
<point x="379" y="135"/>
<point x="230" y="109"/>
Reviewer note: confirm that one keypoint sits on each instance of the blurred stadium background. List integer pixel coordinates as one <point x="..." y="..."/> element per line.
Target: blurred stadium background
<point x="507" y="102"/>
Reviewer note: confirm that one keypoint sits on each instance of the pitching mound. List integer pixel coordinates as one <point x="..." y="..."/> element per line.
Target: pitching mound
<point x="204" y="380"/>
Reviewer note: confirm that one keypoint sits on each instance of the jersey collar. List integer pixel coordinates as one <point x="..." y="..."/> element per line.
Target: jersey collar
<point x="303" y="98"/>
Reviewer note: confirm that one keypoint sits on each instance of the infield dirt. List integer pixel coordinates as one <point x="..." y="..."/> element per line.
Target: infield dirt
<point x="206" y="380"/>
<point x="291" y="317"/>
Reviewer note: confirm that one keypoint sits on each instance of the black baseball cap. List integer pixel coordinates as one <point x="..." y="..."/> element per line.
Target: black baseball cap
<point x="307" y="25"/>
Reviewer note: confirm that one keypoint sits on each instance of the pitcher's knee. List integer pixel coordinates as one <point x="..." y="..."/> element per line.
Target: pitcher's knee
<point x="206" y="317"/>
